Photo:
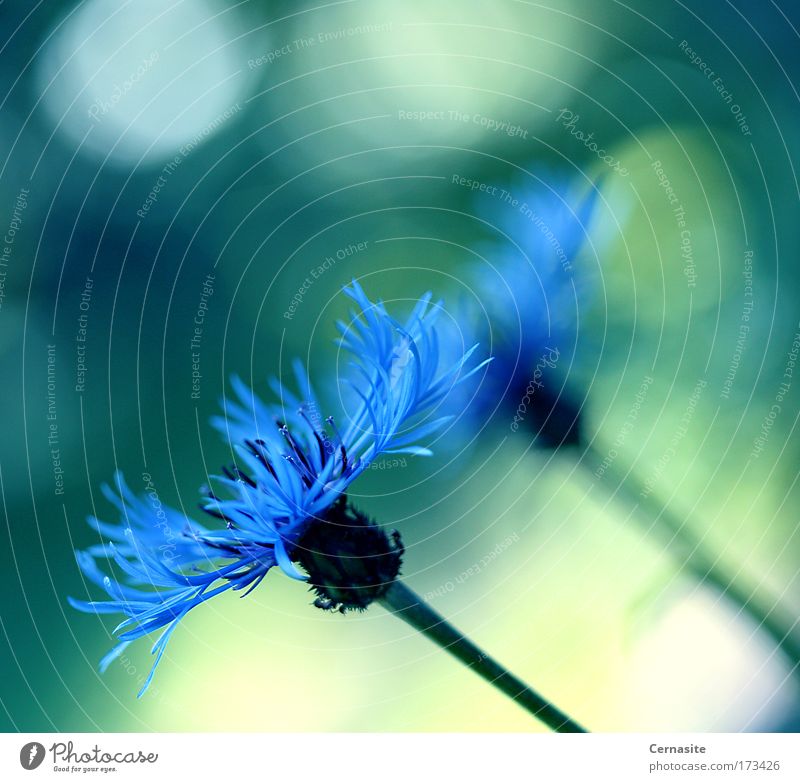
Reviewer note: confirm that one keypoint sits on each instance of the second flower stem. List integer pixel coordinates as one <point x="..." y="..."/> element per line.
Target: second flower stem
<point x="409" y="607"/>
<point x="690" y="551"/>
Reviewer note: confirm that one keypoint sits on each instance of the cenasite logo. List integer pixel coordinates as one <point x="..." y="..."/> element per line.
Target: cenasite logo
<point x="31" y="755"/>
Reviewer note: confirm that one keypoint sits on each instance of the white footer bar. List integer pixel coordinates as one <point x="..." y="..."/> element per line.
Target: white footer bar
<point x="395" y="757"/>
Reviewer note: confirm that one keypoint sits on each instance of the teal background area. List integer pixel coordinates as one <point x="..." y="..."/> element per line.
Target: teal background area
<point x="310" y="152"/>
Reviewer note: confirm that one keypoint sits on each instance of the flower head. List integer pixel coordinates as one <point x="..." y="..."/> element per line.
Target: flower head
<point x="283" y="502"/>
<point x="532" y="295"/>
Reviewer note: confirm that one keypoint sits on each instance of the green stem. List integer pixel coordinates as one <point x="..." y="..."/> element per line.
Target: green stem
<point x="686" y="547"/>
<point x="407" y="605"/>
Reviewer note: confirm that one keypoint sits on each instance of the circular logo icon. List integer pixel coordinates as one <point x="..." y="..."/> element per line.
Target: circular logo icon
<point x="31" y="755"/>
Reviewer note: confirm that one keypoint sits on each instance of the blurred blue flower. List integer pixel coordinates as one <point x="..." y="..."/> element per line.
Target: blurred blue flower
<point x="284" y="501"/>
<point x="529" y="295"/>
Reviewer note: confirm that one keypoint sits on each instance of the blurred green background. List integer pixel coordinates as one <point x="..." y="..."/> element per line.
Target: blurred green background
<point x="146" y="145"/>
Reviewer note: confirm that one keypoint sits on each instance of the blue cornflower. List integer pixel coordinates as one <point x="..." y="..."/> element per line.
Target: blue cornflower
<point x="284" y="501"/>
<point x="531" y="296"/>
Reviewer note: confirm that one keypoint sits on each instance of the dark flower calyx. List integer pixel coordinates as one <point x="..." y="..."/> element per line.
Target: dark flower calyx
<point x="554" y="417"/>
<point x="349" y="559"/>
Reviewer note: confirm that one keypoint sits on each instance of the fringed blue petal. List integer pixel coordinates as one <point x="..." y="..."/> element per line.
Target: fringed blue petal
<point x="291" y="466"/>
